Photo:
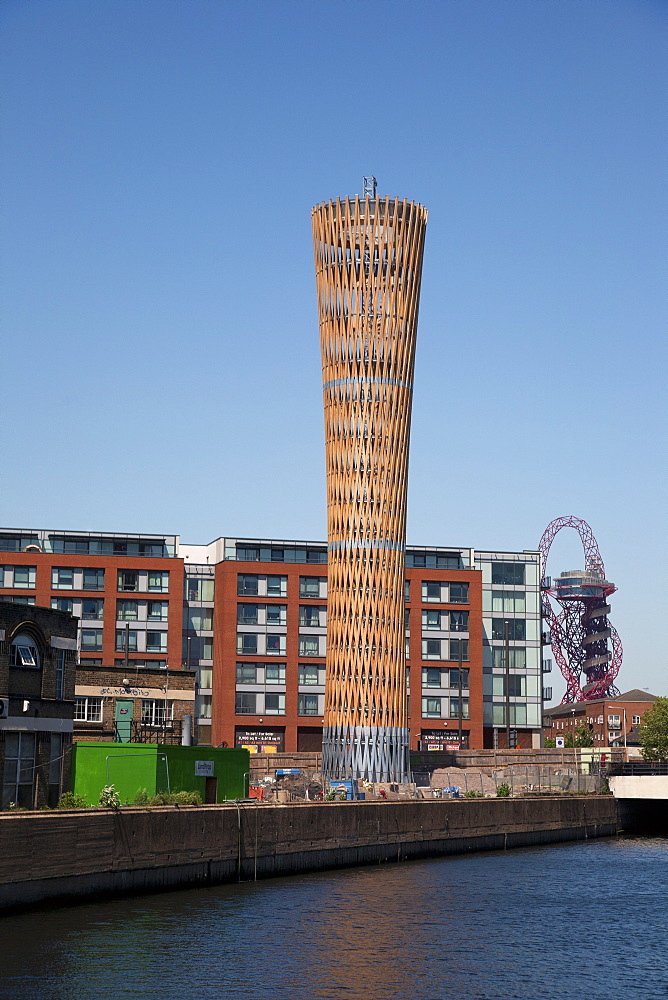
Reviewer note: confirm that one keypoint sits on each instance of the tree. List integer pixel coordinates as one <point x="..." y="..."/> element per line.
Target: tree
<point x="654" y="731"/>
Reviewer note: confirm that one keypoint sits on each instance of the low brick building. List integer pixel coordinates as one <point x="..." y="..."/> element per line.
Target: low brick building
<point x="613" y="722"/>
<point x="132" y="705"/>
<point x="38" y="654"/>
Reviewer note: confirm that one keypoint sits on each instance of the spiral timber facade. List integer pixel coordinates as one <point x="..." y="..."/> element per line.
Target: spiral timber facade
<point x="368" y="260"/>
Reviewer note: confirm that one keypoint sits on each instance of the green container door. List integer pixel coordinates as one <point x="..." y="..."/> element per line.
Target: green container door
<point x="123" y="717"/>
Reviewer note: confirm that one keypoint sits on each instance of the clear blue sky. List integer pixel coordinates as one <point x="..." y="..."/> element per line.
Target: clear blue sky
<point x="159" y="318"/>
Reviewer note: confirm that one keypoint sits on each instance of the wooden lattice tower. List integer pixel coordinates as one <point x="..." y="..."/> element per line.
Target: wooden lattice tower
<point x="368" y="260"/>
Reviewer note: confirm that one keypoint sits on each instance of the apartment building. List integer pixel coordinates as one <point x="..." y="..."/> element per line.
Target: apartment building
<point x="249" y="618"/>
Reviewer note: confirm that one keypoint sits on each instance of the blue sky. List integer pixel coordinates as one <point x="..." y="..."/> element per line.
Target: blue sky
<point x="159" y="313"/>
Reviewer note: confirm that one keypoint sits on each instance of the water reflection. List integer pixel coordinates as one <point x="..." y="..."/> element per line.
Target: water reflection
<point x="585" y="919"/>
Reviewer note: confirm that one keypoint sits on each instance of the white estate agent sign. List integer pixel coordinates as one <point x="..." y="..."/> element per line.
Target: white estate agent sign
<point x="204" y="768"/>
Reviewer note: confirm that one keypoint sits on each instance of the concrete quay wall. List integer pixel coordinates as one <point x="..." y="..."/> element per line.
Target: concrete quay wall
<point x="65" y="856"/>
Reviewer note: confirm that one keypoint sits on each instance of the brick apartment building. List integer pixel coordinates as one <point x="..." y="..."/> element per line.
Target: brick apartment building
<point x="613" y="722"/>
<point x="248" y="617"/>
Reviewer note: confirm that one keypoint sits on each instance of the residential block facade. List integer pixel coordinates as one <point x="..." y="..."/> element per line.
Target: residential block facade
<point x="613" y="722"/>
<point x="248" y="618"/>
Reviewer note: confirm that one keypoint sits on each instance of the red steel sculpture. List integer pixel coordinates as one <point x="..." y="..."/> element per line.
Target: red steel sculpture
<point x="578" y="619"/>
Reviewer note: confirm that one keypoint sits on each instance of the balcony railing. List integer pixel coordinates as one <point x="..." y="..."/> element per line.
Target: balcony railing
<point x="139" y="732"/>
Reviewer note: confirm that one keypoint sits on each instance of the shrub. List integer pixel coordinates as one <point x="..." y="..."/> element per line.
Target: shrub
<point x="472" y="794"/>
<point x="71" y="800"/>
<point x="503" y="790"/>
<point x="141" y="798"/>
<point x="109" y="797"/>
<point x="176" y="799"/>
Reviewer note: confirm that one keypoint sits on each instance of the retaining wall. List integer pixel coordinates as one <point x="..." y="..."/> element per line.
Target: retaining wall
<point x="69" y="855"/>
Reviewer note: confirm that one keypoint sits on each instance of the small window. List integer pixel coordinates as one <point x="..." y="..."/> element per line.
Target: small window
<point x="91" y="640"/>
<point x="431" y="677"/>
<point x="156" y="712"/>
<point x="247" y="584"/>
<point x="431" y="590"/>
<point x="407" y="590"/>
<point x="308" y="674"/>
<point x="245" y="703"/>
<point x="92" y="608"/>
<point x="247" y="614"/>
<point x="459" y="621"/>
<point x="246" y="673"/>
<point x="274" y="704"/>
<point x="459" y="593"/>
<point x="454" y="708"/>
<point x="516" y="628"/>
<point x="274" y="673"/>
<point x="127" y="611"/>
<point x="431" y="649"/>
<point x="431" y="619"/>
<point x="276" y="644"/>
<point x="23" y="655"/>
<point x="93" y="579"/>
<point x="62" y="578"/>
<point x="508" y="573"/>
<point x="158" y="581"/>
<point x="157" y="610"/>
<point x="635" y="720"/>
<point x="277" y="586"/>
<point x="309" y="586"/>
<point x="121" y="634"/>
<point x="128" y="580"/>
<point x="24" y="576"/>
<point x="456" y="645"/>
<point x="431" y="708"/>
<point x="454" y="679"/>
<point x="88" y="710"/>
<point x="60" y="673"/>
<point x="247" y="643"/>
<point x="309" y="615"/>
<point x="62" y="604"/>
<point x="156" y="642"/>
<point x="309" y="645"/>
<point x="276" y="614"/>
<point x="307" y="704"/>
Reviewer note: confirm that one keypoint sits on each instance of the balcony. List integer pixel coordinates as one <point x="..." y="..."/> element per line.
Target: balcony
<point x="138" y="732"/>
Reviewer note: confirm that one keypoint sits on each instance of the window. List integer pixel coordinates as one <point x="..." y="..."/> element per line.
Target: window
<point x="431" y="619"/>
<point x="156" y="712"/>
<point x="431" y="677"/>
<point x="277" y="586"/>
<point x="247" y="584"/>
<point x="517" y="658"/>
<point x="93" y="579"/>
<point x="60" y="672"/>
<point x="614" y="734"/>
<point x="204" y="706"/>
<point x="19" y="770"/>
<point x="276" y="614"/>
<point x="200" y="619"/>
<point x="247" y="614"/>
<point x="23" y="652"/>
<point x="517" y="685"/>
<point x="516" y="628"/>
<point x="508" y="573"/>
<point x="92" y="608"/>
<point x="613" y="721"/>
<point x="518" y="715"/>
<point x="454" y="649"/>
<point x="18" y="599"/>
<point x="454" y="708"/>
<point x="128" y="580"/>
<point x="157" y="611"/>
<point x="88" y="710"/>
<point x="454" y="679"/>
<point x="198" y="590"/>
<point x="205" y="677"/>
<point x="127" y="611"/>
<point x="600" y="720"/>
<point x="309" y="615"/>
<point x="308" y="674"/>
<point x="407" y="590"/>
<point x="431" y="649"/>
<point x="459" y="593"/>
<point x="431" y="708"/>
<point x="246" y="673"/>
<point x="156" y="642"/>
<point x="407" y="618"/>
<point x="274" y="673"/>
<point x="247" y="643"/>
<point x="55" y="758"/>
<point x="307" y="704"/>
<point x="309" y="645"/>
<point x="431" y="590"/>
<point x="62" y="604"/>
<point x="309" y="586"/>
<point x="247" y="555"/>
<point x="276" y="644"/>
<point x="24" y="576"/>
<point x="508" y="602"/>
<point x="62" y="578"/>
<point x="635" y="720"/>
<point x="274" y="704"/>
<point x="459" y="621"/>
<point x="158" y="581"/>
<point x="245" y="703"/>
<point x="121" y="634"/>
<point x="197" y="647"/>
<point x="91" y="640"/>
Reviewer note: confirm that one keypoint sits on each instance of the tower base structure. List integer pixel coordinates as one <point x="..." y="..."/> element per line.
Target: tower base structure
<point x="372" y="753"/>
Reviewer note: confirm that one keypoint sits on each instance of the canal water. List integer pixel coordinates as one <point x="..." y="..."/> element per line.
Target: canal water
<point x="586" y="921"/>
